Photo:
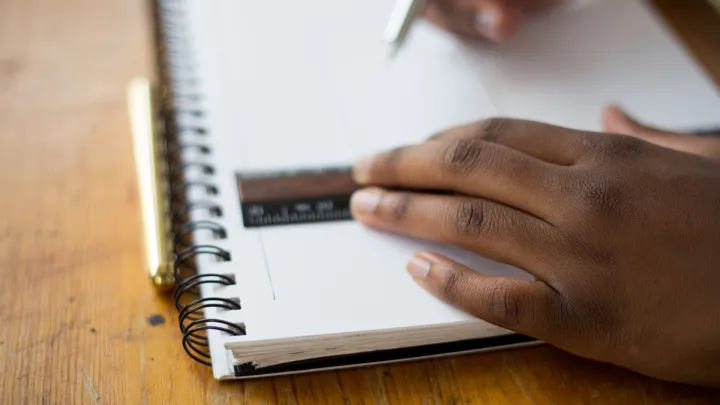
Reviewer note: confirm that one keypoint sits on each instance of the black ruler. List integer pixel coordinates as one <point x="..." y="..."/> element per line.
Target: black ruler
<point x="295" y="196"/>
<point x="296" y="211"/>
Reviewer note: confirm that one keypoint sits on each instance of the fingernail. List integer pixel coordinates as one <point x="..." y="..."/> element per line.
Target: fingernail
<point x="487" y="24"/>
<point x="361" y="171"/>
<point x="419" y="267"/>
<point x="365" y="201"/>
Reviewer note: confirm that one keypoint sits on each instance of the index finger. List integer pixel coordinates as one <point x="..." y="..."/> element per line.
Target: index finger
<point x="554" y="144"/>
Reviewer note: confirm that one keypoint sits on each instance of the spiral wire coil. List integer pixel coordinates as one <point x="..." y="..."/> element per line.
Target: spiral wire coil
<point x="179" y="98"/>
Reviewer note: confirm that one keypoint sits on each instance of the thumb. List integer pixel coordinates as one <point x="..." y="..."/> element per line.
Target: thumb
<point x="615" y="120"/>
<point x="528" y="307"/>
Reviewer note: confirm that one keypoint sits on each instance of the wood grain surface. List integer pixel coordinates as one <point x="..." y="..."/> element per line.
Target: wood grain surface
<point x="79" y="322"/>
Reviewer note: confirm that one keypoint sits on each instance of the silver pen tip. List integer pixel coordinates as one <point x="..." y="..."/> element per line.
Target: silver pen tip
<point x="403" y="15"/>
<point x="393" y="50"/>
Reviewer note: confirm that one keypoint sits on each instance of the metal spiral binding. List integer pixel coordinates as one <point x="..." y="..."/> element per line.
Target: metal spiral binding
<point x="179" y="99"/>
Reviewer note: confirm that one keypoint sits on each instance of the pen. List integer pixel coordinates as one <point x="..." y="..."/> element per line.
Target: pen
<point x="151" y="189"/>
<point x="401" y="20"/>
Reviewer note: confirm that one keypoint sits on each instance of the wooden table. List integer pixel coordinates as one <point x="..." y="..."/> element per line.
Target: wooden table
<point x="74" y="303"/>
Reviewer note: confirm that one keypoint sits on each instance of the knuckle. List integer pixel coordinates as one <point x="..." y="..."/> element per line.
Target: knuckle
<point x="505" y="303"/>
<point x="462" y="155"/>
<point x="601" y="198"/>
<point x="453" y="285"/>
<point x="493" y="129"/>
<point x="618" y="147"/>
<point x="396" y="205"/>
<point x="471" y="219"/>
<point x="400" y="209"/>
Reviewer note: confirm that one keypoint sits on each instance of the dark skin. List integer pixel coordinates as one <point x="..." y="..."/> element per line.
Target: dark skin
<point x="621" y="230"/>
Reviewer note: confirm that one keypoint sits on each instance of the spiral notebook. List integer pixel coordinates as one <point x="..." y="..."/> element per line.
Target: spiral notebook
<point x="243" y="147"/>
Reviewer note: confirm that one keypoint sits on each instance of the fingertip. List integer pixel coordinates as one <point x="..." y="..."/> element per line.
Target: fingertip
<point x="497" y="23"/>
<point x="607" y="118"/>
<point x="510" y="23"/>
<point x="617" y="112"/>
<point x="428" y="270"/>
<point x="615" y="120"/>
<point x="528" y="307"/>
<point x="361" y="169"/>
<point x="419" y="267"/>
<point x="364" y="202"/>
<point x="486" y="22"/>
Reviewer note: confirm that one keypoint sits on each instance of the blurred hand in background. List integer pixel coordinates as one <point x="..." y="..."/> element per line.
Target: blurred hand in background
<point x="494" y="20"/>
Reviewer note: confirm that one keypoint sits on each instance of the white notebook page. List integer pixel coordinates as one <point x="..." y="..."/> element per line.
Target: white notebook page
<point x="312" y="86"/>
<point x="564" y="67"/>
<point x="322" y="91"/>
